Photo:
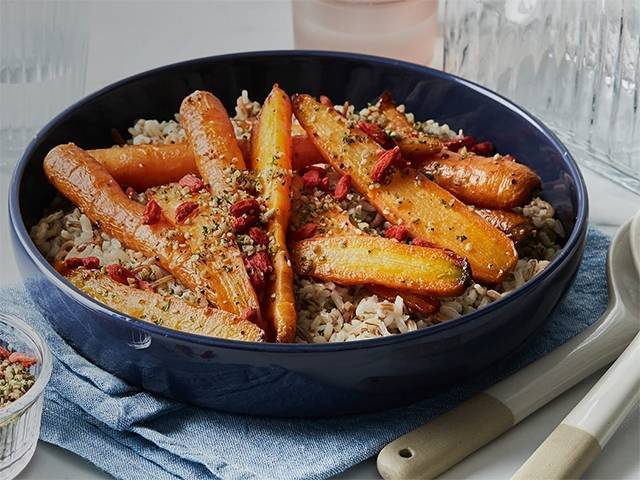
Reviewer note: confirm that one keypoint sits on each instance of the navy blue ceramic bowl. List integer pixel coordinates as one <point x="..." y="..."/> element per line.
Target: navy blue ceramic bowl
<point x="299" y="380"/>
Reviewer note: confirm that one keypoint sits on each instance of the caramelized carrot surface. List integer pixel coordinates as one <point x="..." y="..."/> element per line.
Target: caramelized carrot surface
<point x="165" y="310"/>
<point x="405" y="197"/>
<point x="271" y="160"/>
<point x="361" y="260"/>
<point x="87" y="184"/>
<point x="515" y="225"/>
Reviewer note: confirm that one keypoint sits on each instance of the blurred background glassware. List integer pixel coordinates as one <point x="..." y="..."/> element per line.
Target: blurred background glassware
<point x="20" y="420"/>
<point x="575" y="64"/>
<point x="43" y="60"/>
<point x="403" y="29"/>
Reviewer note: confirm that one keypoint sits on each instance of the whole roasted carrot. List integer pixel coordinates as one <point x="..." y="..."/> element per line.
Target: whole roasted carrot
<point x="88" y="185"/>
<point x="271" y="159"/>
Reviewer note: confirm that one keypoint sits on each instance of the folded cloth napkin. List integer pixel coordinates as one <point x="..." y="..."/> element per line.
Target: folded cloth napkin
<point x="136" y="435"/>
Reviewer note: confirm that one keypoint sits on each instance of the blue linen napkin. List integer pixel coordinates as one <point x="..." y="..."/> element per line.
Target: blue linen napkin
<point x="136" y="435"/>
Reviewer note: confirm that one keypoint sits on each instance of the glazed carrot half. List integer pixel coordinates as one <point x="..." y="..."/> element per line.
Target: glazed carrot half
<point x="145" y="166"/>
<point x="359" y="259"/>
<point x="427" y="211"/>
<point x="271" y="160"/>
<point x="165" y="310"/>
<point x="415" y="146"/>
<point x="218" y="257"/>
<point x="488" y="182"/>
<point x="483" y="181"/>
<point x="89" y="186"/>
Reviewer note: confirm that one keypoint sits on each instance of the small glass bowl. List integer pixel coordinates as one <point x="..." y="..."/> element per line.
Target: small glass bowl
<point x="20" y="420"/>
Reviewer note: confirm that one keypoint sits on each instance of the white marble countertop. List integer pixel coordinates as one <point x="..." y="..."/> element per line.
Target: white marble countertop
<point x="129" y="37"/>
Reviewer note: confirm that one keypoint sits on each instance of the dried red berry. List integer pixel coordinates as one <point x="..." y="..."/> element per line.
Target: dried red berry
<point x="90" y="263"/>
<point x="455" y="145"/>
<point x="250" y="314"/>
<point x="305" y="231"/>
<point x="242" y="224"/>
<point x="184" y="210"/>
<point x="245" y="206"/>
<point x="193" y="183"/>
<point x="130" y="192"/>
<point x="256" y="278"/>
<point x="342" y="187"/>
<point x="118" y="273"/>
<point x="261" y="262"/>
<point x="144" y="285"/>
<point x="152" y="213"/>
<point x="326" y="101"/>
<point x="423" y="243"/>
<point x="397" y="232"/>
<point x="25" y="360"/>
<point x="4" y="353"/>
<point x="312" y="178"/>
<point x="486" y="149"/>
<point x="258" y="236"/>
<point x="376" y="133"/>
<point x="385" y="161"/>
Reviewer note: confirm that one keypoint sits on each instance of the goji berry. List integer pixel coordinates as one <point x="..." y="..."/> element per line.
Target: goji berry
<point x="397" y="232"/>
<point x="25" y="360"/>
<point x="385" y="161"/>
<point x="151" y="213"/>
<point x="193" y="183"/>
<point x="4" y="353"/>
<point x="90" y="263"/>
<point x="130" y="192"/>
<point x="374" y="131"/>
<point x="486" y="149"/>
<point x="244" y="206"/>
<point x="342" y="187"/>
<point x="457" y="144"/>
<point x="184" y="210"/>
<point x="305" y="231"/>
<point x="258" y="236"/>
<point x="261" y="261"/>
<point x="118" y="273"/>
<point x="242" y="224"/>
<point x="144" y="285"/>
<point x="423" y="243"/>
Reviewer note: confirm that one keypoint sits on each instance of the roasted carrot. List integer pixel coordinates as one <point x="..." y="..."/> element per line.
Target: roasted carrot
<point x="360" y="259"/>
<point x="165" y="310"/>
<point x="205" y="233"/>
<point x="515" y="225"/>
<point x="415" y="146"/>
<point x="488" y="182"/>
<point x="87" y="184"/>
<point x="271" y="160"/>
<point x="428" y="211"/>
<point x="416" y="303"/>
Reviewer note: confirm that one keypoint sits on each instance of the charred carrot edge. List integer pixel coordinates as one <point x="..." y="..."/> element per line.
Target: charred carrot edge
<point x="87" y="184"/>
<point x="515" y="225"/>
<point x="413" y="144"/>
<point x="427" y="211"/>
<point x="165" y="310"/>
<point x="219" y="260"/>
<point x="416" y="303"/>
<point x="362" y="260"/>
<point x="271" y="159"/>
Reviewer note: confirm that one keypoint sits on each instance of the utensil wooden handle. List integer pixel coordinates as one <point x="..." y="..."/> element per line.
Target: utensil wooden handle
<point x="571" y="447"/>
<point x="441" y="443"/>
<point x="565" y="454"/>
<point x="438" y="445"/>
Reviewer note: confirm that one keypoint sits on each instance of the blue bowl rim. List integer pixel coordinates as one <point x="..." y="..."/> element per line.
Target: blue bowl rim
<point x="566" y="253"/>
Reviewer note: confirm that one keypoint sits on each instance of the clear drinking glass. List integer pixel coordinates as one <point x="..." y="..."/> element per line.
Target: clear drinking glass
<point x="575" y="64"/>
<point x="403" y="29"/>
<point x="43" y="59"/>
